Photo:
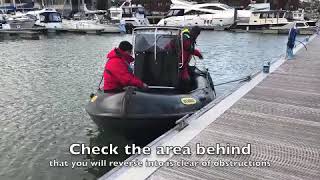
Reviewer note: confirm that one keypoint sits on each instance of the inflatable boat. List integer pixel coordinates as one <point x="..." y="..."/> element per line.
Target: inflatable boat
<point x="164" y="102"/>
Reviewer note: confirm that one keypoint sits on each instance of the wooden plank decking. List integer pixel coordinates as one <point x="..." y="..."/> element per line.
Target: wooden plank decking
<point x="280" y="118"/>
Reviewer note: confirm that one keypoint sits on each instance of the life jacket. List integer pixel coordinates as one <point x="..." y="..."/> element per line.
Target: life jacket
<point x="188" y="51"/>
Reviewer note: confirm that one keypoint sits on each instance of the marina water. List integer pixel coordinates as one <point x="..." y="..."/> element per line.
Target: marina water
<point x="45" y="85"/>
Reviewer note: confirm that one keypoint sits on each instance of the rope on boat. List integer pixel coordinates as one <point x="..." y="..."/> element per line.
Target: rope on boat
<point x="92" y="94"/>
<point x="126" y="100"/>
<point x="302" y="44"/>
<point x="247" y="78"/>
<point x="100" y="82"/>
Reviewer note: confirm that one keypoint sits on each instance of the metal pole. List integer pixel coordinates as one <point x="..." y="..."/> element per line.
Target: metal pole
<point x="14" y="4"/>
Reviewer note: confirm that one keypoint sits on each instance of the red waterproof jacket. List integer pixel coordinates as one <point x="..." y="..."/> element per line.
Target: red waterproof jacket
<point x="188" y="52"/>
<point x="117" y="73"/>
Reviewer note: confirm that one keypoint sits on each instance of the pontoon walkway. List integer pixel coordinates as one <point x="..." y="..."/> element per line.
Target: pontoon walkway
<point x="279" y="114"/>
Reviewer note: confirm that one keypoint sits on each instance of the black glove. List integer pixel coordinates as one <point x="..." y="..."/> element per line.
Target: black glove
<point x="200" y="57"/>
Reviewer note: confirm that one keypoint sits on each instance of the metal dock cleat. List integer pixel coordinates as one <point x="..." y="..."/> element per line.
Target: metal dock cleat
<point x="182" y="123"/>
<point x="266" y="67"/>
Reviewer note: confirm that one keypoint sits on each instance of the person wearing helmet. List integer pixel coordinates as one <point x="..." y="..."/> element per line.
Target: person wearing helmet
<point x="189" y="50"/>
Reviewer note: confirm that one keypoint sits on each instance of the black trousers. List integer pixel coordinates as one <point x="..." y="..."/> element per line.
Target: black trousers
<point x="185" y="85"/>
<point x="113" y="91"/>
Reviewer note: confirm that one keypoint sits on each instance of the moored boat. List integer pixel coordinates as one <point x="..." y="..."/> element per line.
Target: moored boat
<point x="163" y="103"/>
<point x="17" y="22"/>
<point x="46" y="18"/>
<point x="206" y="15"/>
<point x="130" y="15"/>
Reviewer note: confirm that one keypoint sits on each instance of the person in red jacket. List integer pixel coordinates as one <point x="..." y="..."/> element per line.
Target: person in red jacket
<point x="189" y="42"/>
<point x="118" y="73"/>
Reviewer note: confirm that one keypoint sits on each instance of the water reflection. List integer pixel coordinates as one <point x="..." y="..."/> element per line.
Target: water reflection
<point x="105" y="137"/>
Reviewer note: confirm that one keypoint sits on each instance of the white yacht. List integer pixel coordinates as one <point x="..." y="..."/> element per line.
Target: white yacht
<point x="132" y="15"/>
<point x="184" y="13"/>
<point x="299" y="15"/>
<point x="275" y="20"/>
<point x="90" y="20"/>
<point x="89" y="25"/>
<point x="258" y="7"/>
<point x="260" y="20"/>
<point x="298" y="24"/>
<point x="16" y="21"/>
<point x="47" y="18"/>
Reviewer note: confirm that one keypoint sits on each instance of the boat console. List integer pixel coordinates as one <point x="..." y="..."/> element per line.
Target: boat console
<point x="157" y="56"/>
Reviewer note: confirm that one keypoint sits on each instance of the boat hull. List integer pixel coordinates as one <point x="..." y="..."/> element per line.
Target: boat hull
<point x="134" y="125"/>
<point x="13" y="24"/>
<point x="134" y="109"/>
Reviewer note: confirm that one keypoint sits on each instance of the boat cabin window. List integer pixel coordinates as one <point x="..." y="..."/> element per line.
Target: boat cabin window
<point x="175" y="12"/>
<point x="225" y="6"/>
<point x="281" y="14"/>
<point x="132" y="11"/>
<point x="48" y="17"/>
<point x="310" y="23"/>
<point x="31" y="16"/>
<point x="256" y="15"/>
<point x="127" y="12"/>
<point x="214" y="8"/>
<point x="115" y="14"/>
<point x="157" y="57"/>
<point x="138" y="12"/>
<point x="271" y="15"/>
<point x="300" y="25"/>
<point x="290" y="15"/>
<point x="194" y="12"/>
<point x="263" y="15"/>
